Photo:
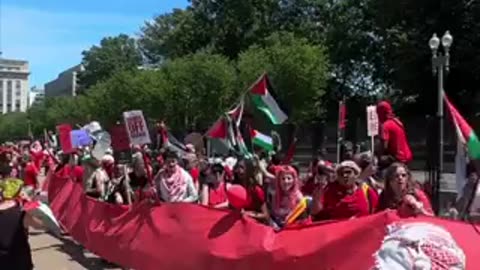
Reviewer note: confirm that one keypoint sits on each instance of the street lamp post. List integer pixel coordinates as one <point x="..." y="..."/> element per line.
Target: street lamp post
<point x="440" y="63"/>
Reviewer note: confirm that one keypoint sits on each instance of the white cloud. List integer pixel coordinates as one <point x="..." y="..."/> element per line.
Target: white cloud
<point x="53" y="41"/>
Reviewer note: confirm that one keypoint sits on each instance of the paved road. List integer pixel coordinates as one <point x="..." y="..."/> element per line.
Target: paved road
<point x="50" y="253"/>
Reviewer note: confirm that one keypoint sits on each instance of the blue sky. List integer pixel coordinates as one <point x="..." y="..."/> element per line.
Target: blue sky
<point x="51" y="34"/>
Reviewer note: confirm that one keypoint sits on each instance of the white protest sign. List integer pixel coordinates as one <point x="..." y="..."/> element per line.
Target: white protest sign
<point x="372" y="121"/>
<point x="136" y="127"/>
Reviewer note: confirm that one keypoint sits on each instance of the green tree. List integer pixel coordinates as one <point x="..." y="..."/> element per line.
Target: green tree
<point x="172" y="35"/>
<point x="201" y="87"/>
<point x="298" y="70"/>
<point x="126" y="91"/>
<point x="65" y="110"/>
<point x="13" y="126"/>
<point x="113" y="55"/>
<point x="227" y="27"/>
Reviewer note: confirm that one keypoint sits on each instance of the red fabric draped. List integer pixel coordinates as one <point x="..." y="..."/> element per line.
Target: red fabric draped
<point x="188" y="236"/>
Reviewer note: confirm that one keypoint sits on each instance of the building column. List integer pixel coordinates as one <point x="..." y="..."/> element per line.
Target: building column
<point x="24" y="95"/>
<point x="14" y="95"/>
<point x="4" y="96"/>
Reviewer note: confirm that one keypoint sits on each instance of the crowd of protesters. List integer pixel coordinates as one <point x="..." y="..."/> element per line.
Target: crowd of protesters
<point x="359" y="185"/>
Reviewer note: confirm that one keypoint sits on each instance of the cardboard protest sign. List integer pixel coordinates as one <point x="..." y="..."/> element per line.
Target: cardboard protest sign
<point x="120" y="139"/>
<point x="136" y="126"/>
<point x="372" y="121"/>
<point x="65" y="139"/>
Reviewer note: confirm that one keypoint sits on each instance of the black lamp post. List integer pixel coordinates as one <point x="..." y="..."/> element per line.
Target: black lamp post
<point x="440" y="63"/>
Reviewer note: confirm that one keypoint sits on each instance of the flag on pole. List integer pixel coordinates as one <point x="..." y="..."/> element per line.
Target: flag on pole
<point x="465" y="132"/>
<point x="236" y="114"/>
<point x="45" y="214"/>
<point x="264" y="101"/>
<point x="342" y="115"/>
<point x="218" y="129"/>
<point x="262" y="140"/>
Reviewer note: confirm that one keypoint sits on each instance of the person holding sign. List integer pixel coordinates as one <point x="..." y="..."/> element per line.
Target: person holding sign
<point x="395" y="147"/>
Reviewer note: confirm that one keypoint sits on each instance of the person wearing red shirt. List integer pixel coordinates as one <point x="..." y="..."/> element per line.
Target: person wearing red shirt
<point x="213" y="191"/>
<point x="392" y="133"/>
<point x="343" y="199"/>
<point x="256" y="206"/>
<point x="30" y="175"/>
<point x="401" y="193"/>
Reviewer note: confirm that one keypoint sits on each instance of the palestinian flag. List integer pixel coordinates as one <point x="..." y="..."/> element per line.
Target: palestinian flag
<point x="265" y="102"/>
<point x="218" y="129"/>
<point x="465" y="132"/>
<point x="262" y="140"/>
<point x="44" y="213"/>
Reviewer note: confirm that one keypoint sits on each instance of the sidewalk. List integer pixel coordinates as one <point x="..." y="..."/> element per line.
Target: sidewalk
<point x="50" y="253"/>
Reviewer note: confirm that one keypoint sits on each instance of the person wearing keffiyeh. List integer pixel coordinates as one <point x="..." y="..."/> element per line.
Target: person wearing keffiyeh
<point x="174" y="184"/>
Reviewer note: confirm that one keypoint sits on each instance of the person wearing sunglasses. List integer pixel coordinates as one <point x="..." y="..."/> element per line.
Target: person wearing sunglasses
<point x="213" y="190"/>
<point x="402" y="193"/>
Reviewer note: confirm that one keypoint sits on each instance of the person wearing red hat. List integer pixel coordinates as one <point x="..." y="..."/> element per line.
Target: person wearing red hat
<point x="395" y="145"/>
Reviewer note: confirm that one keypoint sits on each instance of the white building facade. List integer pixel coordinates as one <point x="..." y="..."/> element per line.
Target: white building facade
<point x="65" y="84"/>
<point x="36" y="96"/>
<point x="14" y="85"/>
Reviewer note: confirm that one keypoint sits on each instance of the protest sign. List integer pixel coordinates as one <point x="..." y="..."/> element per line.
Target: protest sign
<point x="120" y="140"/>
<point x="65" y="139"/>
<point x="372" y="125"/>
<point x="136" y="126"/>
<point x="372" y="121"/>
<point x="80" y="137"/>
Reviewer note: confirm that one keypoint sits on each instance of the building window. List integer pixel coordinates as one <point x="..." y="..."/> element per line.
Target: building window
<point x="9" y="107"/>
<point x="9" y="90"/>
<point x="18" y="88"/>
<point x="17" y="106"/>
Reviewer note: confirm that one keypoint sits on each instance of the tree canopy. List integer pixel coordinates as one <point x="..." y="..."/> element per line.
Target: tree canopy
<point x="113" y="55"/>
<point x="298" y="70"/>
<point x="315" y="52"/>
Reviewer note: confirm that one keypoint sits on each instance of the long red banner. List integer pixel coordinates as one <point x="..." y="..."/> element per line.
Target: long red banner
<point x="188" y="236"/>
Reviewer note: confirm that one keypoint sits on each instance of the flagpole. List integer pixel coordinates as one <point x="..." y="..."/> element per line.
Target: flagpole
<point x="339" y="128"/>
